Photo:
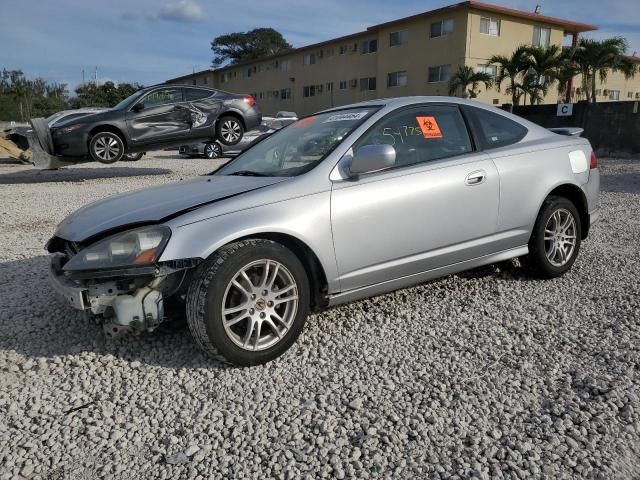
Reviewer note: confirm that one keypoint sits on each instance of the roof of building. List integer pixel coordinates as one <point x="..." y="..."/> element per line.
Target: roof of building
<point x="567" y="25"/>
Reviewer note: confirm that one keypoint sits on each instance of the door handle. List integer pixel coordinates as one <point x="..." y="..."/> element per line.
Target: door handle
<point x="476" y="178"/>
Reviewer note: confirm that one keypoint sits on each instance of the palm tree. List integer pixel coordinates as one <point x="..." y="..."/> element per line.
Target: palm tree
<point x="466" y="77"/>
<point x="511" y="68"/>
<point x="596" y="58"/>
<point x="533" y="87"/>
<point x="544" y="67"/>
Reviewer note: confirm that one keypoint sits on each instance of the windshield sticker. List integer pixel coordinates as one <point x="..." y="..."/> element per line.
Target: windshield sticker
<point x="305" y="122"/>
<point x="341" y="117"/>
<point x="429" y="127"/>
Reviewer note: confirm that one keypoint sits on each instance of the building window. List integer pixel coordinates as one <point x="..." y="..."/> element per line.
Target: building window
<point x="329" y="86"/>
<point x="598" y="92"/>
<point x="441" y="28"/>
<point x="541" y="37"/>
<point x="343" y="84"/>
<point x="205" y="80"/>
<point x="490" y="26"/>
<point x="193" y="81"/>
<point x="309" y="59"/>
<point x="441" y="73"/>
<point x="629" y="94"/>
<point x="614" y="94"/>
<point x="398" y="38"/>
<point x="285" y="94"/>
<point x="368" y="83"/>
<point x="490" y="69"/>
<point x="284" y="65"/>
<point x="330" y="52"/>
<point x="309" y="91"/>
<point x="397" y="79"/>
<point x="343" y="49"/>
<point x="319" y="89"/>
<point x="369" y="46"/>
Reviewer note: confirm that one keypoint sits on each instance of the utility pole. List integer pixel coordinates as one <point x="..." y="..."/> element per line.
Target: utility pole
<point x="83" y="76"/>
<point x="96" y="77"/>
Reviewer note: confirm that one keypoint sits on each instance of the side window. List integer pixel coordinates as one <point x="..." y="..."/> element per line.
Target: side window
<point x="163" y="97"/>
<point x="196" y="94"/>
<point x="496" y="130"/>
<point x="421" y="134"/>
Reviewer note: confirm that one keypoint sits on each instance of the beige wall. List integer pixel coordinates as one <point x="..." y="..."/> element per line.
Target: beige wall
<point x="465" y="45"/>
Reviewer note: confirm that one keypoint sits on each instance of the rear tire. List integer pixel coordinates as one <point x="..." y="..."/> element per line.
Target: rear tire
<point x="106" y="147"/>
<point x="212" y="150"/>
<point x="555" y="240"/>
<point x="248" y="324"/>
<point x="132" y="157"/>
<point x="229" y="130"/>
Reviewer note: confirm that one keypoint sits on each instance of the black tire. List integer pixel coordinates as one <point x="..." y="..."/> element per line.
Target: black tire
<point x="206" y="294"/>
<point x="537" y="260"/>
<point x="108" y="156"/>
<point x="226" y="124"/>
<point x="132" y="157"/>
<point x="212" y="150"/>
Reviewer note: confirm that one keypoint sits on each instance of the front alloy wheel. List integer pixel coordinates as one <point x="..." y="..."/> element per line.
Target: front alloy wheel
<point x="260" y="305"/>
<point x="248" y="302"/>
<point x="106" y="147"/>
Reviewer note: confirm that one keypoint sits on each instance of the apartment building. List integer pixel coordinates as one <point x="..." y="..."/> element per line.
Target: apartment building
<point x="414" y="55"/>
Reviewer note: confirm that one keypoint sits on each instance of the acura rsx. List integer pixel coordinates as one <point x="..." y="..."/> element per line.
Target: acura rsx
<point x="345" y="204"/>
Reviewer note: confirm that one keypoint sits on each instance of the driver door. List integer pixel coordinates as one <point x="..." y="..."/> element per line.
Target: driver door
<point x="437" y="206"/>
<point x="160" y="116"/>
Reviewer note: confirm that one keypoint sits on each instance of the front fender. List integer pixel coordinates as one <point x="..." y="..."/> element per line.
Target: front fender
<point x="306" y="218"/>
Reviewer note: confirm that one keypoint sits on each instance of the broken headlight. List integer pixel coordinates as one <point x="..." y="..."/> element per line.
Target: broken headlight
<point x="141" y="246"/>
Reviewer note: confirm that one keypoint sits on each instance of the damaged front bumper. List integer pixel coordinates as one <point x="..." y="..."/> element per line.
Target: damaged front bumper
<point x="124" y="301"/>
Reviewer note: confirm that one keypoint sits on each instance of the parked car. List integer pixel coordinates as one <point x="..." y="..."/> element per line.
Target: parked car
<point x="152" y="118"/>
<point x="345" y="204"/>
<point x="282" y="119"/>
<point x="216" y="149"/>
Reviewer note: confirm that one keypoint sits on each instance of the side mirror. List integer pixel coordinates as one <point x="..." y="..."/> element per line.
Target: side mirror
<point x="372" y="157"/>
<point x="138" y="107"/>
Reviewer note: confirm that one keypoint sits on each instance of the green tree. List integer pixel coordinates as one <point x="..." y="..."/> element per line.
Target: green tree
<point x="243" y="46"/>
<point x="104" y="95"/>
<point x="468" y="81"/>
<point x="22" y="99"/>
<point x="543" y="71"/>
<point x="595" y="59"/>
<point x="510" y="69"/>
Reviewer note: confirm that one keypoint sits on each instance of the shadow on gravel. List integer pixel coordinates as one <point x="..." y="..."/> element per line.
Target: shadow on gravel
<point x="620" y="183"/>
<point x="68" y="174"/>
<point x="35" y="322"/>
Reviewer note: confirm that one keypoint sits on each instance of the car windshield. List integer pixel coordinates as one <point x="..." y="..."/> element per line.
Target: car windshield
<point x="129" y="100"/>
<point x="298" y="148"/>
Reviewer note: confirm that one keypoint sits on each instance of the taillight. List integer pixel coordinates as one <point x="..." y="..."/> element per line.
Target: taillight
<point x="594" y="160"/>
<point x="250" y="100"/>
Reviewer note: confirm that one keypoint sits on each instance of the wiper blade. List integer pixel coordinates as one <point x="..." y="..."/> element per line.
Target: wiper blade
<point x="248" y="173"/>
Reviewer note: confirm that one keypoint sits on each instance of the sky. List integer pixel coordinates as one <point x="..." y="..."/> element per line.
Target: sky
<point x="150" y="41"/>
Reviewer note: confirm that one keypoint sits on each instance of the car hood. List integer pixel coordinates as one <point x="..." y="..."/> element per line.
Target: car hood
<point x="155" y="204"/>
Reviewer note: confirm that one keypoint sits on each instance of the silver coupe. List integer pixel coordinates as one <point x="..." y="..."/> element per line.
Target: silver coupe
<point x="341" y="205"/>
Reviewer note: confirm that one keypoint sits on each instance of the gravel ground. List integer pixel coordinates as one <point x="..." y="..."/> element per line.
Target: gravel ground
<point x="487" y="374"/>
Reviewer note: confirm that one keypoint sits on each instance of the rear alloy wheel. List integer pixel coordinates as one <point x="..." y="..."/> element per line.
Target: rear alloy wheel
<point x="106" y="147"/>
<point x="212" y="150"/>
<point x="556" y="237"/>
<point x="132" y="157"/>
<point x="229" y="130"/>
<point x="248" y="303"/>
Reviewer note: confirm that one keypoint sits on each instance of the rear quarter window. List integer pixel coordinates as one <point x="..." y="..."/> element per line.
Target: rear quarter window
<point x="495" y="130"/>
<point x="196" y="93"/>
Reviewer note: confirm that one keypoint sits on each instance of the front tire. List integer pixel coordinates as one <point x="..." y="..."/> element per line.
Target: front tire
<point x="229" y="130"/>
<point x="106" y="147"/>
<point x="248" y="302"/>
<point x="555" y="241"/>
<point x="212" y="150"/>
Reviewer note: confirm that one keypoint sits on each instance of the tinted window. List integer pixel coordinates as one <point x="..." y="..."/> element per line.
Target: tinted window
<point x="421" y="134"/>
<point x="162" y="97"/>
<point x="196" y="93"/>
<point x="495" y="130"/>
